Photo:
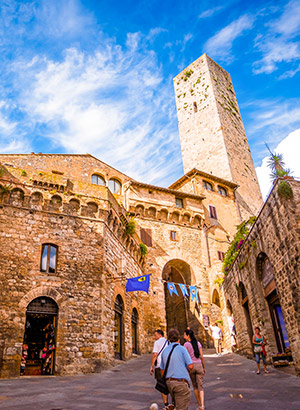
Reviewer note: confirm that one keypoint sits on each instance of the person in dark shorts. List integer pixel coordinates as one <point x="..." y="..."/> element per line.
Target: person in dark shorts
<point x="197" y="373"/>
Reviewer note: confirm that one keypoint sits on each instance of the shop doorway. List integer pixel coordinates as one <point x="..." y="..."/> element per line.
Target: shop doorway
<point x="118" y="328"/>
<point x="269" y="285"/>
<point x="38" y="350"/>
<point x="278" y="323"/>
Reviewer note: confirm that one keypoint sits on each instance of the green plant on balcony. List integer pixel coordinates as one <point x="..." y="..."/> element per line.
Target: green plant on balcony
<point x="143" y="249"/>
<point x="242" y="231"/>
<point x="5" y="189"/>
<point x="130" y="227"/>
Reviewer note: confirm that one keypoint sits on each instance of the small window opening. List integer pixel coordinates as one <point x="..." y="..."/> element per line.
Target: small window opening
<point x="221" y="256"/>
<point x="49" y="258"/>
<point x="173" y="236"/>
<point x="212" y="212"/>
<point x="195" y="107"/>
<point x="179" y="202"/>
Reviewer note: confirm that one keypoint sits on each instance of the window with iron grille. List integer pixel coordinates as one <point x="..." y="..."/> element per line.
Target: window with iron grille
<point x="221" y="256"/>
<point x="146" y="236"/>
<point x="49" y="258"/>
<point x="212" y="212"/>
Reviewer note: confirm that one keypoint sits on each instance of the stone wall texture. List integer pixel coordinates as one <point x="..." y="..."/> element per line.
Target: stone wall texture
<point x="212" y="133"/>
<point x="273" y="239"/>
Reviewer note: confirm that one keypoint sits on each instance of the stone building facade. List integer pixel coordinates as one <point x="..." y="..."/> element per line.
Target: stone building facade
<point x="66" y="255"/>
<point x="262" y="288"/>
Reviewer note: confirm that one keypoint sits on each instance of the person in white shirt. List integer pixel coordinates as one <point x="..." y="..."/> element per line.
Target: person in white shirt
<point x="217" y="335"/>
<point x="159" y="345"/>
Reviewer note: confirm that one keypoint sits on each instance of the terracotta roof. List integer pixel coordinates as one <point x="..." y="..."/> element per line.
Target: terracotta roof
<point x="168" y="190"/>
<point x="195" y="171"/>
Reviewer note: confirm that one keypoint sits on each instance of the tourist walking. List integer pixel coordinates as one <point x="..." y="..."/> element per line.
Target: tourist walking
<point x="177" y="376"/>
<point x="159" y="345"/>
<point x="259" y="343"/>
<point x="217" y="335"/>
<point x="197" y="373"/>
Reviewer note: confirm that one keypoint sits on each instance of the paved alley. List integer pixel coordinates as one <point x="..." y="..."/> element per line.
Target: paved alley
<point x="231" y="384"/>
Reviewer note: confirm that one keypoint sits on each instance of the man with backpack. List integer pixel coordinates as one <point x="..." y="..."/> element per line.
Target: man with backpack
<point x="159" y="345"/>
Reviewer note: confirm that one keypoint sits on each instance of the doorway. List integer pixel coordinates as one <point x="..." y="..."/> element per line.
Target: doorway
<point x="134" y="331"/>
<point x="278" y="322"/>
<point x="118" y="328"/>
<point x="39" y="344"/>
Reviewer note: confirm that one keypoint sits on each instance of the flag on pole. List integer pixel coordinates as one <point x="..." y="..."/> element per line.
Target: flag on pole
<point x="183" y="289"/>
<point x="140" y="283"/>
<point x="194" y="293"/>
<point x="172" y="288"/>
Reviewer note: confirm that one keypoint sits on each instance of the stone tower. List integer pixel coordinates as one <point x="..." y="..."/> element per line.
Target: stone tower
<point x="212" y="133"/>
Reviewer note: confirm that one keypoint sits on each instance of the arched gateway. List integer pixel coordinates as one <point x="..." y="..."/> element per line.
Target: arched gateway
<point x="38" y="350"/>
<point x="179" y="310"/>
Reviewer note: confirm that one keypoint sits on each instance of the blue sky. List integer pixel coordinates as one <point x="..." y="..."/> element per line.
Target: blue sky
<point x="96" y="76"/>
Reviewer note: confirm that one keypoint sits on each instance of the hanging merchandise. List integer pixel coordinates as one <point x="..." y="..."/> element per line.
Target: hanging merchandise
<point x="172" y="288"/>
<point x="183" y="289"/>
<point x="194" y="293"/>
<point x="140" y="283"/>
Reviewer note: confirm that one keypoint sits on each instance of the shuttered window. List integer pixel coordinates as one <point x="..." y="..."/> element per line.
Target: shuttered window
<point x="146" y="236"/>
<point x="221" y="256"/>
<point x="212" y="212"/>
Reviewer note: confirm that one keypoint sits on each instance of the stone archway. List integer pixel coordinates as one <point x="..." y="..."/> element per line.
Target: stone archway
<point x="178" y="308"/>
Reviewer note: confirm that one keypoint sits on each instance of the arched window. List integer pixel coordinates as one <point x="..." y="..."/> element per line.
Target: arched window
<point x="208" y="186"/>
<point x="49" y="258"/>
<point x="114" y="186"/>
<point x="134" y="330"/>
<point x="216" y="298"/>
<point x="222" y="191"/>
<point x="98" y="180"/>
<point x="118" y="328"/>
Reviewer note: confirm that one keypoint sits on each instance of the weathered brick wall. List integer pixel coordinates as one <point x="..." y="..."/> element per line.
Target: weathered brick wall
<point x="275" y="234"/>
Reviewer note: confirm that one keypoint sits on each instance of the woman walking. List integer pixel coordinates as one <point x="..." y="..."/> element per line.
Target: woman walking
<point x="197" y="373"/>
<point x="259" y="343"/>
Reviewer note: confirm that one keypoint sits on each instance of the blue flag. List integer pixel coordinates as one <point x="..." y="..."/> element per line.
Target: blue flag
<point x="183" y="289"/>
<point x="140" y="283"/>
<point x="172" y="288"/>
<point x="194" y="293"/>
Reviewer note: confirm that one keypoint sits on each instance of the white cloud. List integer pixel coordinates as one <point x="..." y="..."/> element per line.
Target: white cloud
<point x="290" y="73"/>
<point x="220" y="44"/>
<point x="210" y="12"/>
<point x="280" y="43"/>
<point x="112" y="103"/>
<point x="289" y="147"/>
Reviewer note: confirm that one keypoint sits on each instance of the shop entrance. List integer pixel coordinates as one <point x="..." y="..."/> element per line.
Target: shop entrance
<point x="272" y="298"/>
<point x="38" y="350"/>
<point x="278" y="323"/>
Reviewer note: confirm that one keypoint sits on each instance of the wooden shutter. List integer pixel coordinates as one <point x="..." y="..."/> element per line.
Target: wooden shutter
<point x="212" y="212"/>
<point x="146" y="236"/>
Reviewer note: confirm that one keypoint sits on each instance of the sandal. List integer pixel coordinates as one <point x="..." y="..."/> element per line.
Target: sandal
<point x="267" y="371"/>
<point x="258" y="372"/>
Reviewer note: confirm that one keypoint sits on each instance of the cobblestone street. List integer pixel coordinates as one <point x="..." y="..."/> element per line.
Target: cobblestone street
<point x="231" y="384"/>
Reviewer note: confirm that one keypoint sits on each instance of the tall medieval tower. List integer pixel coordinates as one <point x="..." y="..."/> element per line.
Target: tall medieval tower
<point x="212" y="134"/>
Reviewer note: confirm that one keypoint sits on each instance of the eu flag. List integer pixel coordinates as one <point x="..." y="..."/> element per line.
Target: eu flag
<point x="141" y="283"/>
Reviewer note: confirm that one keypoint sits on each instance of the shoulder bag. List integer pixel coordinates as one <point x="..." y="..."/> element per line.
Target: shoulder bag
<point x="161" y="384"/>
<point x="155" y="363"/>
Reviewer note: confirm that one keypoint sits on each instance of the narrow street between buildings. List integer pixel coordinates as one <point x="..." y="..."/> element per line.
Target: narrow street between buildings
<point x="231" y="383"/>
